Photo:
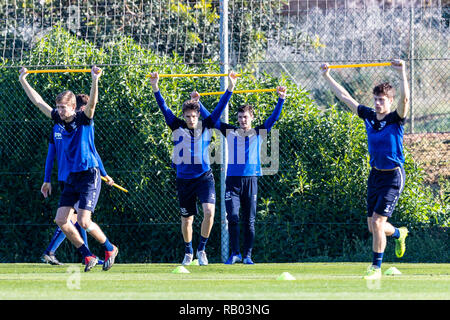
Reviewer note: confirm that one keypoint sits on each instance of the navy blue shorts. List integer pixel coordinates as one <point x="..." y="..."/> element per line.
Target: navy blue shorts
<point x="61" y="186"/>
<point x="383" y="190"/>
<point x="189" y="190"/>
<point x="241" y="192"/>
<point x="83" y="187"/>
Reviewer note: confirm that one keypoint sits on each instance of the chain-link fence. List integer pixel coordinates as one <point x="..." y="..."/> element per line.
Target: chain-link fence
<point x="318" y="192"/>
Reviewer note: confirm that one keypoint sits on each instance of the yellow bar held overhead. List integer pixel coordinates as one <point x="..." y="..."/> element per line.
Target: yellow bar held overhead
<point x="360" y="65"/>
<point x="191" y="75"/>
<point x="237" y="91"/>
<point x="115" y="185"/>
<point x="58" y="70"/>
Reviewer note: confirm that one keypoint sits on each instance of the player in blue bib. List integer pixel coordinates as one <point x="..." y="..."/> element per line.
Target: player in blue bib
<point x="387" y="178"/>
<point x="79" y="167"/>
<point x="243" y="169"/>
<point x="195" y="179"/>
<point x="55" y="150"/>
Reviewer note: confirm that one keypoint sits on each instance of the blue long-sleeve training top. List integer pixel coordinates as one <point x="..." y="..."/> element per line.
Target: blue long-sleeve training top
<point x="190" y="155"/>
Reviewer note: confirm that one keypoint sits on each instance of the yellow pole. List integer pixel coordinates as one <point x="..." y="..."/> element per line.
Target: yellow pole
<point x="360" y="65"/>
<point x="237" y="91"/>
<point x="58" y="70"/>
<point x="115" y="185"/>
<point x="190" y="75"/>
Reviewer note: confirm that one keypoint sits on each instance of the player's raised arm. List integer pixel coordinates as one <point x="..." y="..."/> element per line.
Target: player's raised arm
<point x="223" y="102"/>
<point x="268" y="124"/>
<point x="339" y="90"/>
<point x="168" y="114"/>
<point x="403" y="107"/>
<point x="89" y="110"/>
<point x="35" y="98"/>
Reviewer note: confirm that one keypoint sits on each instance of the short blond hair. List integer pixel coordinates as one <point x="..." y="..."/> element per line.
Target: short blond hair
<point x="67" y="97"/>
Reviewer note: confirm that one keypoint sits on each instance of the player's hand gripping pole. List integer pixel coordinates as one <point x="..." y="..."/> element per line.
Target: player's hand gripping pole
<point x="115" y="185"/>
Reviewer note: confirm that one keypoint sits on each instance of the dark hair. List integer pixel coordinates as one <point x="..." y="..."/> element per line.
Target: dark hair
<point x="246" y="107"/>
<point x="191" y="105"/>
<point x="82" y="100"/>
<point x="384" y="89"/>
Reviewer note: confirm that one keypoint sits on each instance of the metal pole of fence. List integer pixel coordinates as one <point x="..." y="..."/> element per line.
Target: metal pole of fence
<point x="223" y="30"/>
<point x="411" y="69"/>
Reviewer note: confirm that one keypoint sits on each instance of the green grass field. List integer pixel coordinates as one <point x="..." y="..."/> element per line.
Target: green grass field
<point x="314" y="281"/>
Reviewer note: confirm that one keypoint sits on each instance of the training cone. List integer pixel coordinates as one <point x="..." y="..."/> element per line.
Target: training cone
<point x="392" y="271"/>
<point x="180" y="269"/>
<point x="194" y="262"/>
<point x="286" y="276"/>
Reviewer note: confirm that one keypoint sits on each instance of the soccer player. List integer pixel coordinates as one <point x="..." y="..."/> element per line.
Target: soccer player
<point x="243" y="170"/>
<point x="55" y="149"/>
<point x="79" y="167"/>
<point x="194" y="176"/>
<point x="387" y="177"/>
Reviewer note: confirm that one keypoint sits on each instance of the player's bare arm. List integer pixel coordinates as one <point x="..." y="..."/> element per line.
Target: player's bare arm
<point x="339" y="90"/>
<point x="403" y="107"/>
<point x="89" y="110"/>
<point x="32" y="94"/>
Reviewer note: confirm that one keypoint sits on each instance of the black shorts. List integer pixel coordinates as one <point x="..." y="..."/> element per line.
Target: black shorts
<point x="83" y="187"/>
<point x="189" y="190"/>
<point x="383" y="190"/>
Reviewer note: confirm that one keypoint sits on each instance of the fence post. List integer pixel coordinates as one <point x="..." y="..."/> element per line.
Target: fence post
<point x="223" y="30"/>
<point x="411" y="69"/>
